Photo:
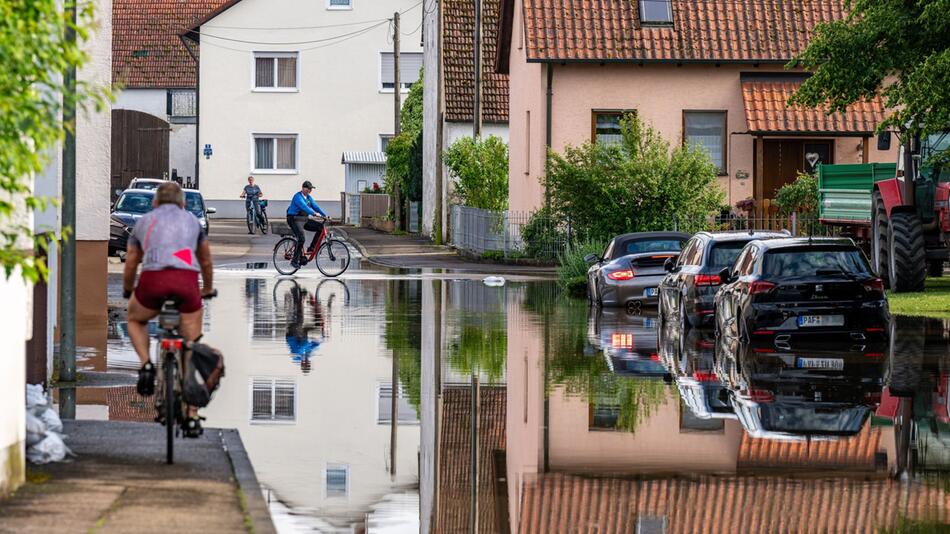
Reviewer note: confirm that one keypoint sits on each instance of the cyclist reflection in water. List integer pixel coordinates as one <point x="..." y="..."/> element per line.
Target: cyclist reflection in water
<point x="299" y="342"/>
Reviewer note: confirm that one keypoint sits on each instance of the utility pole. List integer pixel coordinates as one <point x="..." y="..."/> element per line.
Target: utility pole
<point x="476" y="390"/>
<point x="397" y="102"/>
<point x="477" y="104"/>
<point x="395" y="288"/>
<point x="67" y="286"/>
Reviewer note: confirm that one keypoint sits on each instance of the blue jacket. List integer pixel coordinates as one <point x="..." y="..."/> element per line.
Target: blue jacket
<point x="302" y="346"/>
<point x="304" y="205"/>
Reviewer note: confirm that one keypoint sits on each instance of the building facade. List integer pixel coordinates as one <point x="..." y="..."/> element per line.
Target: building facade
<point x="285" y="87"/>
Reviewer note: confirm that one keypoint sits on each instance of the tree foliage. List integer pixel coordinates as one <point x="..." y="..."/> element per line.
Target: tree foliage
<point x="34" y="55"/>
<point x="404" y="151"/>
<point x="799" y="196"/>
<point x="638" y="184"/>
<point x="897" y="49"/>
<point x="480" y="168"/>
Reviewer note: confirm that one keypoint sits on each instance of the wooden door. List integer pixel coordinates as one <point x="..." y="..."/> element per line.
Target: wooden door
<point x="783" y="159"/>
<point x="139" y="147"/>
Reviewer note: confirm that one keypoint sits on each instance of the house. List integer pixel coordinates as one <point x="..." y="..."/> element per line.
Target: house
<point x="450" y="69"/>
<point x="155" y="113"/>
<point x="287" y="86"/>
<point x="708" y="73"/>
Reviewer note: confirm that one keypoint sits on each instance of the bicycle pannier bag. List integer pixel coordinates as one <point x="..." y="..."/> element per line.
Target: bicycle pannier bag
<point x="203" y="372"/>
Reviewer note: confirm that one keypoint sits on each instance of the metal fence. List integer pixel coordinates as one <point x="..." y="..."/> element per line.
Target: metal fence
<point x="795" y="224"/>
<point x="511" y="233"/>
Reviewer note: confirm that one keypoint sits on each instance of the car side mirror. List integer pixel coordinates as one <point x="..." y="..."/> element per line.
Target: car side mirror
<point x="669" y="265"/>
<point x="725" y="276"/>
<point x="211" y="211"/>
<point x="591" y="259"/>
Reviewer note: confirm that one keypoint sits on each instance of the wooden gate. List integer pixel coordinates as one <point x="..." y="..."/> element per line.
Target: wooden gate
<point x="139" y="147"/>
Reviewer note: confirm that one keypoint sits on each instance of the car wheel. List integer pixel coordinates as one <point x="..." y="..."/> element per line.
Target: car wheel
<point x="684" y="318"/>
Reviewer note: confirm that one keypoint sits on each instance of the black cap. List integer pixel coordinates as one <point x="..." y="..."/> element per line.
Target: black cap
<point x="307" y="184"/>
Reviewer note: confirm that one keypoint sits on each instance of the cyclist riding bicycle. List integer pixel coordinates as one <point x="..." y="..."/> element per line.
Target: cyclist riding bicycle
<point x="301" y="216"/>
<point x="252" y="196"/>
<point x="172" y="248"/>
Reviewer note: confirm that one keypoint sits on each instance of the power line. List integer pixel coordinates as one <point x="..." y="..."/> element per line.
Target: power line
<point x="283" y="43"/>
<point x="352" y="35"/>
<point x="318" y="27"/>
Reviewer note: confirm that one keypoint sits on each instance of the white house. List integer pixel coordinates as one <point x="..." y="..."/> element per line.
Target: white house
<point x="286" y="86"/>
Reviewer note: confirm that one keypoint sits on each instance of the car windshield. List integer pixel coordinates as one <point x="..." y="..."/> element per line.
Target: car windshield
<point x="807" y="419"/>
<point x="725" y="254"/>
<point x="194" y="204"/>
<point x="650" y="245"/>
<point x="789" y="263"/>
<point x="647" y="367"/>
<point x="134" y="202"/>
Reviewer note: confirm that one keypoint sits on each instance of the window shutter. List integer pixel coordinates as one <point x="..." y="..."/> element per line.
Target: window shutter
<point x="409" y="64"/>
<point x="387" y="68"/>
<point x="261" y="399"/>
<point x="285" y="399"/>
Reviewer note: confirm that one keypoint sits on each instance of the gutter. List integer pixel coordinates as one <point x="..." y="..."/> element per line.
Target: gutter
<point x="642" y="61"/>
<point x="182" y="37"/>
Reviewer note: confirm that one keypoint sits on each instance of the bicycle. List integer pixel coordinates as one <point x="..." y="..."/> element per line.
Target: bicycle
<point x="331" y="254"/>
<point x="257" y="217"/>
<point x="171" y="347"/>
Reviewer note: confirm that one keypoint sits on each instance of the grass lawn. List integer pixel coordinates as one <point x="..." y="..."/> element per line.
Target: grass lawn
<point x="933" y="302"/>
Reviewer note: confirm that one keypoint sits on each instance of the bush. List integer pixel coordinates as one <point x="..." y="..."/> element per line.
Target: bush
<point x="480" y="168"/>
<point x="543" y="236"/>
<point x="572" y="273"/>
<point x="638" y="184"/>
<point x="799" y="196"/>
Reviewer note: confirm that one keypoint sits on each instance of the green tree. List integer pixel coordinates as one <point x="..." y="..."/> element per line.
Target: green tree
<point x="480" y="168"/>
<point x="404" y="151"/>
<point x="897" y="49"/>
<point x="638" y="184"/>
<point x="799" y="196"/>
<point x="34" y="56"/>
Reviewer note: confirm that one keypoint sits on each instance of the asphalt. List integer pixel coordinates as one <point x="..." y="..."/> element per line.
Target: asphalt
<point x="118" y="482"/>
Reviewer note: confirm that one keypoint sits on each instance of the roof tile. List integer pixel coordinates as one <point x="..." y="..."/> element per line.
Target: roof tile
<point x="767" y="110"/>
<point x="458" y="62"/>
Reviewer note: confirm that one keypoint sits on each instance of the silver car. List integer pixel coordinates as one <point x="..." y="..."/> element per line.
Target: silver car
<point x="631" y="268"/>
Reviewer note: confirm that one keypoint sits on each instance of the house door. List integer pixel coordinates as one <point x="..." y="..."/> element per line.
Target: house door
<point x="139" y="148"/>
<point x="783" y="159"/>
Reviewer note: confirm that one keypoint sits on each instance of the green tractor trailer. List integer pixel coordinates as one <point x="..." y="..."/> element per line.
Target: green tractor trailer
<point x="904" y="227"/>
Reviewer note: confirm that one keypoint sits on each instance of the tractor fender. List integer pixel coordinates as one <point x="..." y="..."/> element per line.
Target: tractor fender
<point x="891" y="194"/>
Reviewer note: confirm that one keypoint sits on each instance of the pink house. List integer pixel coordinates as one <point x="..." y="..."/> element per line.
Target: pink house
<point x="706" y="72"/>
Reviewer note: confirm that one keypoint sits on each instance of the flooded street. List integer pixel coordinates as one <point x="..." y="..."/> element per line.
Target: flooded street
<point x="587" y="420"/>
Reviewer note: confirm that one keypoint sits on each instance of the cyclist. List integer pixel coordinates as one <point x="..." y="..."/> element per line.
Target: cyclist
<point x="301" y="215"/>
<point x="252" y="196"/>
<point x="172" y="248"/>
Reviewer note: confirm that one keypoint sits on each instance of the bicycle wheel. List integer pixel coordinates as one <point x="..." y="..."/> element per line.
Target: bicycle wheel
<point x="169" y="368"/>
<point x="250" y="221"/>
<point x="263" y="222"/>
<point x="284" y="255"/>
<point x="333" y="258"/>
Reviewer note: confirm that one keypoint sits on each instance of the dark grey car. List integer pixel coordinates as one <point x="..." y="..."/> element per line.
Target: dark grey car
<point x="631" y="268"/>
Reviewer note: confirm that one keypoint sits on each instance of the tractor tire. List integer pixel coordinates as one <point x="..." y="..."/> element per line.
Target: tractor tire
<point x="879" y="237"/>
<point x="935" y="268"/>
<point x="907" y="265"/>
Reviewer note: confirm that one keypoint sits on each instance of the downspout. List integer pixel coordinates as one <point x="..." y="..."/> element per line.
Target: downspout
<point x="197" y="105"/>
<point x="547" y="128"/>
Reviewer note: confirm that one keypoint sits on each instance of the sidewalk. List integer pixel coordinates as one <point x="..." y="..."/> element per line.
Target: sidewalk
<point x="119" y="483"/>
<point x="414" y="252"/>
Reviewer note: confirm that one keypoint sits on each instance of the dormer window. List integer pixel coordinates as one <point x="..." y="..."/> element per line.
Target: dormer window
<point x="658" y="12"/>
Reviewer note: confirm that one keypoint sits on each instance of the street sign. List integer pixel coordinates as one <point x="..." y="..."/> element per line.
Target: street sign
<point x="207" y="151"/>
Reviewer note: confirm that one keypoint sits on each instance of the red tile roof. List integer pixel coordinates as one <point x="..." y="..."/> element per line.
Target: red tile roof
<point x="766" y="110"/>
<point x="702" y="30"/>
<point x="852" y="453"/>
<point x="556" y="503"/>
<point x="458" y="61"/>
<point x="146" y="50"/>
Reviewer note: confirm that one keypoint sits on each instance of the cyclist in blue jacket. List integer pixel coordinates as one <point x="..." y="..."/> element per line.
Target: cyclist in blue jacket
<point x="300" y="216"/>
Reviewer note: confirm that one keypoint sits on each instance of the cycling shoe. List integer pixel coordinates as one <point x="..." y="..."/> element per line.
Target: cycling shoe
<point x="146" y="383"/>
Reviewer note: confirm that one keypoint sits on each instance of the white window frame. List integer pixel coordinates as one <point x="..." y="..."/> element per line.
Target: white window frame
<point x="253" y="159"/>
<point x="669" y="13"/>
<point x="250" y="401"/>
<point x="402" y="394"/>
<point x="348" y="7"/>
<point x="336" y="466"/>
<point x="274" y="55"/>
<point x="384" y="136"/>
<point x="379" y="70"/>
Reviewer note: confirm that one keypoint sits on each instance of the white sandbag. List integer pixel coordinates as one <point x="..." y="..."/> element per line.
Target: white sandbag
<point x="494" y="281"/>
<point x="52" y="420"/>
<point x="35" y="429"/>
<point x="51" y="449"/>
<point x="35" y="396"/>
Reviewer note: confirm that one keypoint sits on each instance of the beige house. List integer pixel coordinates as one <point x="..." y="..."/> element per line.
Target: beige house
<point x="708" y="73"/>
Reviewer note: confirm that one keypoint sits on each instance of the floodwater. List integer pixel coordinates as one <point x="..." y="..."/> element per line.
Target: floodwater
<point x="587" y="421"/>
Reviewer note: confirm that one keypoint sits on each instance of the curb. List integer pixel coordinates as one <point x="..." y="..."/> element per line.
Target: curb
<point x="253" y="498"/>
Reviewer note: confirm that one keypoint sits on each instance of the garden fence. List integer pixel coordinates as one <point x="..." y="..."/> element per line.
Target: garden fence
<point x="511" y="233"/>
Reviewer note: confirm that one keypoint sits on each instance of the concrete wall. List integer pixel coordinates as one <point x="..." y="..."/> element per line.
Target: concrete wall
<point x="339" y="105"/>
<point x="14" y="332"/>
<point x="181" y="139"/>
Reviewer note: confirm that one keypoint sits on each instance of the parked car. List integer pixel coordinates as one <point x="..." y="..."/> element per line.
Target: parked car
<point x="788" y="288"/>
<point x="631" y="268"/>
<point x="687" y="291"/>
<point x="628" y="342"/>
<point x="119" y="233"/>
<point x="689" y="356"/>
<point x="146" y="183"/>
<point x="133" y="203"/>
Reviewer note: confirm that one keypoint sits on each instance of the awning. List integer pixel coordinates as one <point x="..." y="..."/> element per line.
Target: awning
<point x="366" y="158"/>
<point x="767" y="112"/>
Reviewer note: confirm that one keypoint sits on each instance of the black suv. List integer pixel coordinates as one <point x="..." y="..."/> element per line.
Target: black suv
<point x="788" y="288"/>
<point x="688" y="289"/>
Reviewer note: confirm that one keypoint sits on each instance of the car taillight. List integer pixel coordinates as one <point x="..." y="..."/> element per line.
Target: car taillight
<point x="760" y="395"/>
<point x="626" y="274"/>
<point x="705" y="376"/>
<point x="874" y="284"/>
<point x="760" y="286"/>
<point x="708" y="280"/>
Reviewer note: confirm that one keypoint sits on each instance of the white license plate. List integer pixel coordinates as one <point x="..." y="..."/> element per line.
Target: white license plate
<point x="820" y="320"/>
<point x="648" y="322"/>
<point x="834" y="364"/>
<point x="649" y="292"/>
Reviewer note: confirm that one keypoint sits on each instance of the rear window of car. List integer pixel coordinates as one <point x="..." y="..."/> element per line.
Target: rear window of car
<point x="134" y="203"/>
<point x="786" y="263"/>
<point x="725" y="254"/>
<point x="650" y="245"/>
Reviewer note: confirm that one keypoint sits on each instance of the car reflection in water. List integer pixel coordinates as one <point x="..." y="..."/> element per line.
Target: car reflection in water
<point x="802" y="392"/>
<point x="690" y="358"/>
<point x="627" y="340"/>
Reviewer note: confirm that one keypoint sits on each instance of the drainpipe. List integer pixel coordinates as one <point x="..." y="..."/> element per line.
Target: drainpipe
<point x="197" y="61"/>
<point x="547" y="126"/>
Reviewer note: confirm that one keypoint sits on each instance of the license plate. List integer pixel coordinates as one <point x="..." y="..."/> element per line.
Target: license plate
<point x="820" y="320"/>
<point x="648" y="322"/>
<point x="833" y="364"/>
<point x="649" y="292"/>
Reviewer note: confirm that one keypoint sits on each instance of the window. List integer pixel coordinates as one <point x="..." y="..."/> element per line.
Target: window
<point x="336" y="480"/>
<point x="273" y="400"/>
<point x="384" y="399"/>
<point x="707" y="130"/>
<point x="656" y="11"/>
<point x="275" y="71"/>
<point x="182" y="105"/>
<point x="409" y="65"/>
<point x="605" y="125"/>
<point x="275" y="153"/>
<point x="384" y="140"/>
<point x="339" y="4"/>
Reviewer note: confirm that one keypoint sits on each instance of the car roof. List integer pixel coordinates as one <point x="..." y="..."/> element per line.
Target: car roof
<point x="142" y="191"/>
<point x="149" y="180"/>
<point x="647" y="235"/>
<point x="789" y="242"/>
<point x="744" y="235"/>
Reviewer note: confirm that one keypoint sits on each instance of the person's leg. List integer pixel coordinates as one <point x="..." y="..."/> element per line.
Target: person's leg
<point x="139" y="316"/>
<point x="316" y="236"/>
<point x="297" y="228"/>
